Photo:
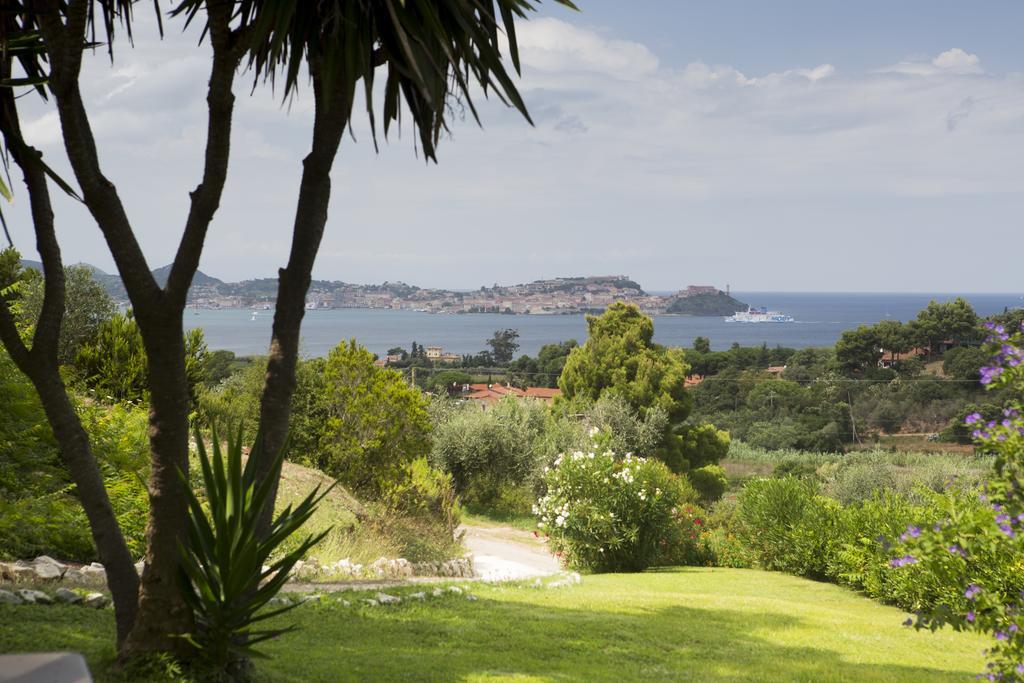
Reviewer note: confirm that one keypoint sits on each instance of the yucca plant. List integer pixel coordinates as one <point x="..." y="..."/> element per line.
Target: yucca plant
<point x="228" y="572"/>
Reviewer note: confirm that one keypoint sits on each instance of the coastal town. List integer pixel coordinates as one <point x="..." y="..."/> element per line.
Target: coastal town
<point x="556" y="296"/>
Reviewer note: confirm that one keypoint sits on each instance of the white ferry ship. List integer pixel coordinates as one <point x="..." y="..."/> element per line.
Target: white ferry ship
<point x="759" y="315"/>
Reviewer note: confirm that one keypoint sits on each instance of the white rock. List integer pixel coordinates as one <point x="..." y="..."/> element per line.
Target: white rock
<point x="9" y="598"/>
<point x="471" y="597"/>
<point x="316" y="597"/>
<point x="419" y="596"/>
<point x="34" y="597"/>
<point x="94" y="574"/>
<point x="46" y="559"/>
<point x="45" y="571"/>
<point x="74" y="576"/>
<point x="437" y="592"/>
<point x="371" y="603"/>
<point x="67" y="596"/>
<point x="140" y="566"/>
<point x="96" y="600"/>
<point x="345" y="603"/>
<point x="385" y="599"/>
<point x="454" y="589"/>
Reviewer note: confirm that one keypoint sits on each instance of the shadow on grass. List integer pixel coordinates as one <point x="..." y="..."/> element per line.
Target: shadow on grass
<point x="455" y="639"/>
<point x="496" y="640"/>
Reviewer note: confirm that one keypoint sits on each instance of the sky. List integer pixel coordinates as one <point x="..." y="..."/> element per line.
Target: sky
<point x="814" y="145"/>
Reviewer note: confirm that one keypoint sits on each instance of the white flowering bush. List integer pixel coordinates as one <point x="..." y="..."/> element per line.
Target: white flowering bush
<point x="605" y="514"/>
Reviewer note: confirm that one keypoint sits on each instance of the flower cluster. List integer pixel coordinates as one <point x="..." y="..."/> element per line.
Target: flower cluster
<point x="989" y="532"/>
<point x="604" y="513"/>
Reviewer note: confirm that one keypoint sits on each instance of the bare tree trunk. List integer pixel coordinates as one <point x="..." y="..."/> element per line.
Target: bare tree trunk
<point x="40" y="365"/>
<point x="293" y="280"/>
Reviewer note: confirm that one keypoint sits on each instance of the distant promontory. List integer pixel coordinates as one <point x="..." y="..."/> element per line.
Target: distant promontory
<point x="557" y="296"/>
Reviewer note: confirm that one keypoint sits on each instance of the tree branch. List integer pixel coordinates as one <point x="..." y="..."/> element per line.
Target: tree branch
<point x="206" y="197"/>
<point x="65" y="45"/>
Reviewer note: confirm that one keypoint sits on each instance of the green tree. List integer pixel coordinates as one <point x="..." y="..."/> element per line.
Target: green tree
<point x="114" y="366"/>
<point x="620" y="358"/>
<point x="894" y="337"/>
<point x="504" y="345"/>
<point x="964" y="362"/>
<point x="702" y="345"/>
<point x="858" y="351"/>
<point x="953" y="320"/>
<point x="86" y="306"/>
<point x="376" y="423"/>
<point x="442" y="382"/>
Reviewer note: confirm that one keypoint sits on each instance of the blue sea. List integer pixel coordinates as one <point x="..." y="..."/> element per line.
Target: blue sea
<point x="820" y="319"/>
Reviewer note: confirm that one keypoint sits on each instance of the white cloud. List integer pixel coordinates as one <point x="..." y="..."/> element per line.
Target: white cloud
<point x="681" y="159"/>
<point x="954" y="61"/>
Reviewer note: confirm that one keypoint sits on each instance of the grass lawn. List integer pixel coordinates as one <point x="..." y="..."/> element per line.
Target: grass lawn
<point x="670" y="625"/>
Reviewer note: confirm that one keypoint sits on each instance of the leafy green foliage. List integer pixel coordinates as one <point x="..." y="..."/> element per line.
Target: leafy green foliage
<point x="978" y="547"/>
<point x="39" y="513"/>
<point x="86" y="307"/>
<point x="603" y="513"/>
<point x="229" y="572"/>
<point x="115" y="368"/>
<point x="952" y="320"/>
<point x="504" y="345"/>
<point x="620" y="359"/>
<point x="485" y="452"/>
<point x="709" y="481"/>
<point x="788" y="526"/>
<point x="376" y="423"/>
<point x="544" y="370"/>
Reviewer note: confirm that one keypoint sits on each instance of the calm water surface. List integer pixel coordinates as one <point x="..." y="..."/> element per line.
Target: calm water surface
<point x="821" y="318"/>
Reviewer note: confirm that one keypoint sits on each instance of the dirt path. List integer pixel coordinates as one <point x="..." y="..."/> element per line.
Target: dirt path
<point x="502" y="553"/>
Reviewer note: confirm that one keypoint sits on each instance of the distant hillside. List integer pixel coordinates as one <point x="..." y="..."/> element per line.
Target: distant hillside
<point x="115" y="288"/>
<point x="718" y="303"/>
<point x="200" y="279"/>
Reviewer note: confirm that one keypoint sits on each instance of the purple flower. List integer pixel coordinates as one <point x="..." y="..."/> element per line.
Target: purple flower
<point x="902" y="561"/>
<point x="911" y="532"/>
<point x="908" y="622"/>
<point x="972" y="418"/>
<point x="1002" y="519"/>
<point x="957" y="550"/>
<point x="970" y="616"/>
<point x="972" y="591"/>
<point x="1020" y="668"/>
<point x="1008" y="530"/>
<point x="1014" y="628"/>
<point x="1000" y="635"/>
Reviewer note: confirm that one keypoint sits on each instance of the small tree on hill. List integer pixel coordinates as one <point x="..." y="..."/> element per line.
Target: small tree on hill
<point x="620" y="358"/>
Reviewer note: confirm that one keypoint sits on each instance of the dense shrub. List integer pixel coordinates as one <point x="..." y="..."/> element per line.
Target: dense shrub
<point x="721" y="544"/>
<point x="39" y="511"/>
<point x="376" y="424"/>
<point x="627" y="430"/>
<point x="977" y="548"/>
<point x="709" y="481"/>
<point x="788" y="526"/>
<point x="486" y="452"/>
<point x="605" y="514"/>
